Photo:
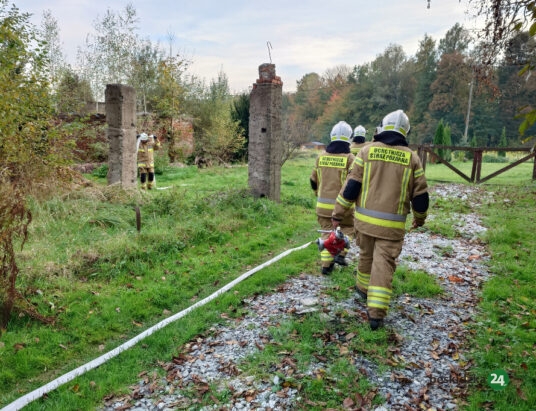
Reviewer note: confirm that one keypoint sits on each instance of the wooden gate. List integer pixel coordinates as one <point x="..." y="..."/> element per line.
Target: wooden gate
<point x="426" y="150"/>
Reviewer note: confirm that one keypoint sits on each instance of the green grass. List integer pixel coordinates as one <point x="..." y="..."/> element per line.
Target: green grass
<point x="104" y="282"/>
<point x="418" y="284"/>
<point x="86" y="265"/>
<point x="519" y="175"/>
<point x="505" y="331"/>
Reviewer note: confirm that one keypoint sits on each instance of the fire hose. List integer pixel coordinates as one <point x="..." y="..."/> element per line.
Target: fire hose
<point x="38" y="393"/>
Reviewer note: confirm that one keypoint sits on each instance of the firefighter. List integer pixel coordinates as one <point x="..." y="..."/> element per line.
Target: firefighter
<point x="328" y="176"/>
<point x="386" y="179"/>
<point x="358" y="140"/>
<point x="146" y="145"/>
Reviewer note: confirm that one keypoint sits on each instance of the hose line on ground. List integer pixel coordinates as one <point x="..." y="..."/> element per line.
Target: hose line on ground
<point x="38" y="393"/>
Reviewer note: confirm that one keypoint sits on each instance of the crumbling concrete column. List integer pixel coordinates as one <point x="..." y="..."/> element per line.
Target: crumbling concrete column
<point x="265" y="140"/>
<point x="121" y="132"/>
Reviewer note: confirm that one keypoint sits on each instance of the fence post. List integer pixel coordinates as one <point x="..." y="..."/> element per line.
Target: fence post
<point x="477" y="166"/>
<point x="421" y="152"/>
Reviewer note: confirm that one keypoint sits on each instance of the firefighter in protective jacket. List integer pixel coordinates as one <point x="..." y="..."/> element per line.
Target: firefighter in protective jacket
<point x="328" y="176"/>
<point x="386" y="182"/>
<point x="145" y="146"/>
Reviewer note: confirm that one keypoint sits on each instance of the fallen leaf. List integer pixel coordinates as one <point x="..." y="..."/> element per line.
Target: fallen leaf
<point x="348" y="403"/>
<point x="19" y="346"/>
<point x="455" y="279"/>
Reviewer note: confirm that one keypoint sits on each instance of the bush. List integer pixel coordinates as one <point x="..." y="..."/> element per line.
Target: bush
<point x="488" y="158"/>
<point x="101" y="171"/>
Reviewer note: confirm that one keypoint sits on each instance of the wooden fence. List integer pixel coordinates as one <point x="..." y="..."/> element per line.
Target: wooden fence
<point x="427" y="150"/>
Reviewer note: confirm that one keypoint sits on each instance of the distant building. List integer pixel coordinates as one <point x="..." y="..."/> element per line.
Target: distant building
<point x="313" y="145"/>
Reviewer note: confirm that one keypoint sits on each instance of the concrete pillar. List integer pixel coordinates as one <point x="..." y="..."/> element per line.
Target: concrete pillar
<point x="265" y="140"/>
<point x="121" y="132"/>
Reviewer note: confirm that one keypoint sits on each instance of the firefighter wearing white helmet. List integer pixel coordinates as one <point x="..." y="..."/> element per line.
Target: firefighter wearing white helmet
<point x="358" y="140"/>
<point x="386" y="183"/>
<point x="327" y="177"/>
<point x="146" y="144"/>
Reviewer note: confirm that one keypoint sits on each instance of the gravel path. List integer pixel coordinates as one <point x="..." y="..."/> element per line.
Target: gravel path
<point x="429" y="333"/>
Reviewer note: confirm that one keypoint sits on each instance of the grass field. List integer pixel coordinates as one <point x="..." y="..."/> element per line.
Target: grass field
<point x="104" y="282"/>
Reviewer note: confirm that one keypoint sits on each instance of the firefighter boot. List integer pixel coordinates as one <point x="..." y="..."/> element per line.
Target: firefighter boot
<point x="341" y="260"/>
<point x="375" y="323"/>
<point x="362" y="294"/>
<point x="328" y="270"/>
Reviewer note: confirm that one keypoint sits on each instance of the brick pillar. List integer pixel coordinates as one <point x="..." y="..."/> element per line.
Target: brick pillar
<point x="121" y="132"/>
<point x="265" y="139"/>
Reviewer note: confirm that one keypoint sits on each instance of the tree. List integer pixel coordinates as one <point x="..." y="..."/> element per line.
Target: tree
<point x="311" y="95"/>
<point x="393" y="80"/>
<point x="29" y="149"/>
<point x="72" y="93"/>
<point x="360" y="104"/>
<point x="170" y="93"/>
<point x="109" y="53"/>
<point x="218" y="136"/>
<point x="144" y="72"/>
<point x="439" y="139"/>
<point x="450" y="91"/>
<point x="503" y="142"/>
<point x="56" y="61"/>
<point x="456" y="40"/>
<point x="425" y="74"/>
<point x="240" y="114"/>
<point x="517" y="93"/>
<point x="503" y="20"/>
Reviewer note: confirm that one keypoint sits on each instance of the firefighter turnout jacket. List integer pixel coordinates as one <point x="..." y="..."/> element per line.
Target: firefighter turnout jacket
<point x="327" y="178"/>
<point x="356" y="147"/>
<point x="386" y="182"/>
<point x="146" y="153"/>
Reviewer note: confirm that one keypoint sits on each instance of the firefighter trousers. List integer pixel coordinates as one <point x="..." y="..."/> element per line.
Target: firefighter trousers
<point x="377" y="264"/>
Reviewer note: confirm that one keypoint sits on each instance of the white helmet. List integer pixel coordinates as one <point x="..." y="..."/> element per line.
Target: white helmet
<point x="341" y="132"/>
<point x="144" y="137"/>
<point x="396" y="121"/>
<point x="360" y="131"/>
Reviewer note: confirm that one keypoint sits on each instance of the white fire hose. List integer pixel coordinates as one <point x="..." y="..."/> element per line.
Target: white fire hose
<point x="38" y="393"/>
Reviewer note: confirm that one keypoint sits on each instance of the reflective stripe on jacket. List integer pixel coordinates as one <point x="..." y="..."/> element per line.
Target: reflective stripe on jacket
<point x="329" y="174"/>
<point x="390" y="177"/>
<point x="146" y="153"/>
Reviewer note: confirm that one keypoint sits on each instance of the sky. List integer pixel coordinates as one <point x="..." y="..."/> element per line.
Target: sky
<point x="237" y="36"/>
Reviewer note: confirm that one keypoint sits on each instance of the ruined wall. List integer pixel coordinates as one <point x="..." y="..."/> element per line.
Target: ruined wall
<point x="121" y="133"/>
<point x="265" y="138"/>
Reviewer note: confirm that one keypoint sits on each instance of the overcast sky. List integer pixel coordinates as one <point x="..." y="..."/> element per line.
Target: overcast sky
<point x="233" y="35"/>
